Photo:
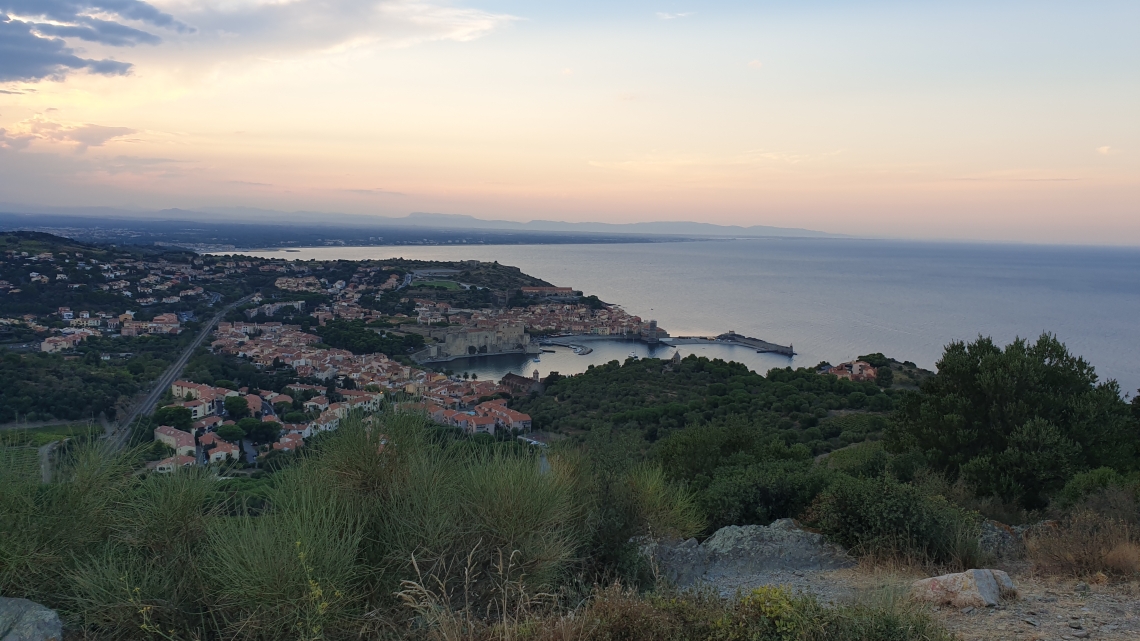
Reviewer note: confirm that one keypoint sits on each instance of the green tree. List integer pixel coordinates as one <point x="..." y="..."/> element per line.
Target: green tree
<point x="1016" y="422"/>
<point x="177" y="417"/>
<point x="875" y="360"/>
<point x="236" y="407"/>
<point x="232" y="433"/>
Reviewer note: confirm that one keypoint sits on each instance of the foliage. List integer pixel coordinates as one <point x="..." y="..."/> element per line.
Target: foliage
<point x="236" y="407"/>
<point x="180" y="418"/>
<point x="222" y="370"/>
<point x="886" y="517"/>
<point x="358" y="338"/>
<point x="1017" y="422"/>
<point x="653" y="399"/>
<point x="231" y="433"/>
<point x="41" y="386"/>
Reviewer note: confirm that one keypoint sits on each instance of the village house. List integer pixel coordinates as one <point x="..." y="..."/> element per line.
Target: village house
<point x="167" y="465"/>
<point x="181" y="442"/>
<point x="854" y="371"/>
<point x="218" y="450"/>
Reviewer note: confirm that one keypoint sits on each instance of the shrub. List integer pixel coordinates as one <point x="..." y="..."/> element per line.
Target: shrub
<point x="1124" y="559"/>
<point x="291" y="572"/>
<point x="884" y="517"/>
<point x="665" y="508"/>
<point x="1084" y="543"/>
<point x="763" y="492"/>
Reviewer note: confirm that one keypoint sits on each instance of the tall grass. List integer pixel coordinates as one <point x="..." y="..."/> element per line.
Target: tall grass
<point x="289" y="573"/>
<point x="1085" y="543"/>
<point x="378" y="530"/>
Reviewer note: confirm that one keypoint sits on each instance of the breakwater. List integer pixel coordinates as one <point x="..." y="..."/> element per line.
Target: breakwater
<point x="732" y="338"/>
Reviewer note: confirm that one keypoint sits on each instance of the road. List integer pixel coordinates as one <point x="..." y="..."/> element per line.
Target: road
<point x="120" y="436"/>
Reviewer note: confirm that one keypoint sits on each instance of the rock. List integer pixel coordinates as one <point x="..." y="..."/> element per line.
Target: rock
<point x="972" y="588"/>
<point x="735" y="552"/>
<point x="24" y="620"/>
<point x="1000" y="541"/>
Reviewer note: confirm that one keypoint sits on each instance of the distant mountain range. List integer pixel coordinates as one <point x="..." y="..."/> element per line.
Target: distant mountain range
<point x="250" y="215"/>
<point x="680" y="228"/>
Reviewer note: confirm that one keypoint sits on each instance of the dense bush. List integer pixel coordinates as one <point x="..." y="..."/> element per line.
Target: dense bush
<point x="655" y="398"/>
<point x="42" y="386"/>
<point x="1017" y="422"/>
<point x="885" y="517"/>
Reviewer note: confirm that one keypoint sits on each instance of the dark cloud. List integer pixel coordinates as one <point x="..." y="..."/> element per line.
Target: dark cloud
<point x="101" y="31"/>
<point x="27" y="56"/>
<point x="32" y="32"/>
<point x="69" y="10"/>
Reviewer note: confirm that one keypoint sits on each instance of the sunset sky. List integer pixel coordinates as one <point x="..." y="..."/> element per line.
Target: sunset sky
<point x="995" y="120"/>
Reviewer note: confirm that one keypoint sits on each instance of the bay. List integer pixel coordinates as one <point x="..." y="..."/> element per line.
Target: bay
<point x="833" y="299"/>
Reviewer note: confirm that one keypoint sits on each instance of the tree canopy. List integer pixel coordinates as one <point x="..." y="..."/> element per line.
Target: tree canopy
<point x="1016" y="422"/>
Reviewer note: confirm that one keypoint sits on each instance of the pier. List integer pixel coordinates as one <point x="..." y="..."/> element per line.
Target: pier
<point x="732" y="338"/>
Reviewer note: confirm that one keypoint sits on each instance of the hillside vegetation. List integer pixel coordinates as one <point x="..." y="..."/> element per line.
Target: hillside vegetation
<point x="392" y="527"/>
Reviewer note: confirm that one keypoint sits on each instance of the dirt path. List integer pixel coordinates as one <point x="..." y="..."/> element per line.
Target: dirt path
<point x="1055" y="610"/>
<point x="1049" y="609"/>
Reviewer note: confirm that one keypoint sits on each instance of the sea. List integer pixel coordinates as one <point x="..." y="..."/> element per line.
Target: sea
<point x="831" y="299"/>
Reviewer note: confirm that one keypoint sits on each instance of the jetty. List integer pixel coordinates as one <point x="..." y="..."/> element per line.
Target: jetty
<point x="732" y="338"/>
<point x="566" y="341"/>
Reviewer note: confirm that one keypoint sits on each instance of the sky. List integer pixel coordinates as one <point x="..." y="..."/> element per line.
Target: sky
<point x="1004" y="120"/>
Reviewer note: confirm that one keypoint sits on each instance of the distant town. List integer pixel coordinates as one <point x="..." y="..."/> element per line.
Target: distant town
<point x="324" y="339"/>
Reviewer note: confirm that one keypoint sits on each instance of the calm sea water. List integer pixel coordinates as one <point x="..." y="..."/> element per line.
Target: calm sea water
<point x="832" y="299"/>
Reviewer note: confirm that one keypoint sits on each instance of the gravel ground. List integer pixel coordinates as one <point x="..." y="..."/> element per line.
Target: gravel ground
<point x="1049" y="609"/>
<point x="835" y="586"/>
<point x="1055" y="610"/>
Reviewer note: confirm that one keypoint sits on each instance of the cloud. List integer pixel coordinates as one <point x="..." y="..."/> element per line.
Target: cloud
<point x="40" y="128"/>
<point x="24" y="55"/>
<point x="15" y="140"/>
<point x="756" y="64"/>
<point x="1016" y="180"/>
<point x="749" y="160"/>
<point x="33" y="32"/>
<point x="373" y="192"/>
<point x="101" y="31"/>
<point x="1105" y="150"/>
<point x="37" y="37"/>
<point x="674" y="16"/>
<point x="289" y="29"/>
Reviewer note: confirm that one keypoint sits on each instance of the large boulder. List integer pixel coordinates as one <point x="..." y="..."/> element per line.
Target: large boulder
<point x="972" y="588"/>
<point x="24" y="620"/>
<point x="735" y="552"/>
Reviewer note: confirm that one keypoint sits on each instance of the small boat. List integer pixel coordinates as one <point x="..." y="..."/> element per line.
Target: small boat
<point x="538" y="359"/>
<point x="633" y="354"/>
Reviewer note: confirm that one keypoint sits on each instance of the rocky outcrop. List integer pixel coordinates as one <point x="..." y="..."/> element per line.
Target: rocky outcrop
<point x="24" y="620"/>
<point x="735" y="552"/>
<point x="969" y="589"/>
<point x="1000" y="541"/>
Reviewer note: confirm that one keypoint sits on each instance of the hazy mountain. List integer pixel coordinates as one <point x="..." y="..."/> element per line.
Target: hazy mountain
<point x="254" y="215"/>
<point x="681" y="228"/>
